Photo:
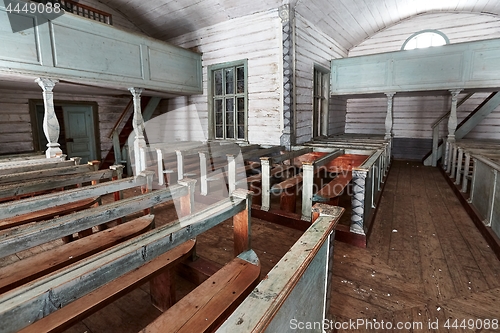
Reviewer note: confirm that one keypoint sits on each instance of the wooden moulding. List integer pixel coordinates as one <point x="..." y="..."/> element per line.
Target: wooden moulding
<point x="291" y="289"/>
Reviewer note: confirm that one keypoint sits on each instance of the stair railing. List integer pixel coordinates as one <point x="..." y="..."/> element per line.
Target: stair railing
<point x="435" y="132"/>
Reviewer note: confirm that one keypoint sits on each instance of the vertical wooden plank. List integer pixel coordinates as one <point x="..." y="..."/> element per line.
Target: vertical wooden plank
<point x="231" y="174"/>
<point x="307" y="190"/>
<point x="459" y="166"/>
<point x="242" y="223"/>
<point x="159" y="157"/>
<point x="162" y="287"/>
<point x="203" y="172"/>
<point x="265" y="164"/>
<point x="465" y="180"/>
<point x="180" y="164"/>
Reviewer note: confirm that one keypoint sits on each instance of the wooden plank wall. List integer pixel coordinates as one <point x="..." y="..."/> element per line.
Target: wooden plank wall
<point x="413" y="116"/>
<point x="313" y="47"/>
<point x="459" y="27"/>
<point x="254" y="37"/>
<point x="119" y="20"/>
<point x="15" y="128"/>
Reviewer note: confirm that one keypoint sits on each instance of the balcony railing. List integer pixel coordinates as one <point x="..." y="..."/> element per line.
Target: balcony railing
<point x="79" y="9"/>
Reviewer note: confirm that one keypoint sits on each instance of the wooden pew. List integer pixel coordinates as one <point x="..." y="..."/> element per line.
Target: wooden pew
<point x="26" y="270"/>
<point x="40" y="208"/>
<point x="109" y="273"/>
<point x="206" y="307"/>
<point x="342" y="166"/>
<point x="298" y="287"/>
<point x="288" y="188"/>
<point x="31" y="161"/>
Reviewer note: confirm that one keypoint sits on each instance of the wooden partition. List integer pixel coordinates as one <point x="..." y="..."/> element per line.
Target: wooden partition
<point x="119" y="59"/>
<point x="297" y="289"/>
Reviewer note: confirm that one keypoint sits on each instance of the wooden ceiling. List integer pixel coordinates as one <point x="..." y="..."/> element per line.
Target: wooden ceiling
<point x="349" y="22"/>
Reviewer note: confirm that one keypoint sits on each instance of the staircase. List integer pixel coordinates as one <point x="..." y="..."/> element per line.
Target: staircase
<point x="118" y="154"/>
<point x="465" y="126"/>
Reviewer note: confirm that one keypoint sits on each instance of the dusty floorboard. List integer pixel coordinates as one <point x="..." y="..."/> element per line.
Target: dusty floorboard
<point x="425" y="263"/>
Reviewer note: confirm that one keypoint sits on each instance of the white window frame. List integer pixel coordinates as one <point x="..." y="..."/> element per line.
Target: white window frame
<point x="320" y="105"/>
<point x="214" y="97"/>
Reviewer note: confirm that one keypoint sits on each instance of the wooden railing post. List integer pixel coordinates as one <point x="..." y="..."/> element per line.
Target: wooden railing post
<point x="307" y="190"/>
<point x="452" y="126"/>
<point x="187" y="201"/>
<point x="388" y="117"/>
<point x="231" y="174"/>
<point x="242" y="223"/>
<point x="358" y="201"/>
<point x="50" y="123"/>
<point x="465" y="180"/>
<point x="138" y="124"/>
<point x="265" y="164"/>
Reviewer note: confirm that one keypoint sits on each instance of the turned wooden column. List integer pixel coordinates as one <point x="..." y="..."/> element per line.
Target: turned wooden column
<point x="388" y="117"/>
<point x="452" y="127"/>
<point x="138" y="125"/>
<point x="50" y="123"/>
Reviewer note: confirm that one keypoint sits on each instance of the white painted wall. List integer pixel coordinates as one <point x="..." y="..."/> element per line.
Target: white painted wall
<point x="255" y="37"/>
<point x="313" y="47"/>
<point x="413" y="116"/>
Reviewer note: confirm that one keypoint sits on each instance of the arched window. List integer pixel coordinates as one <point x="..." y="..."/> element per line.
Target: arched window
<point x="425" y="38"/>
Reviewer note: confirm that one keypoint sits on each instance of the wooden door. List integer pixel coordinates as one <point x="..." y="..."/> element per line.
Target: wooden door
<point x="79" y="132"/>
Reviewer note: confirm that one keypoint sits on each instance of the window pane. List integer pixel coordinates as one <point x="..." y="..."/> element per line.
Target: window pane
<point x="241" y="132"/>
<point x="240" y="77"/>
<point x="229" y="132"/>
<point x="241" y="104"/>
<point x="218" y="132"/>
<point x="218" y="82"/>
<point x="229" y="80"/>
<point x="218" y="112"/>
<point x="229" y="104"/>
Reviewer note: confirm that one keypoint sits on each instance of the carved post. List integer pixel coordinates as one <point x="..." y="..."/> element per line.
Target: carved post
<point x="452" y="125"/>
<point x="358" y="201"/>
<point x="286" y="13"/>
<point x="388" y="117"/>
<point x="138" y="124"/>
<point x="50" y="122"/>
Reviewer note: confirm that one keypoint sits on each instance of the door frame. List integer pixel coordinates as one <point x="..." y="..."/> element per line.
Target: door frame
<point x="34" y="121"/>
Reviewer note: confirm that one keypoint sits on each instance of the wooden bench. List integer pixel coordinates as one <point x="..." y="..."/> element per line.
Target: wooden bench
<point x="206" y="307"/>
<point x="39" y="171"/>
<point x="39" y="212"/>
<point x="28" y="269"/>
<point x="288" y="188"/>
<point x="110" y="273"/>
<point x="106" y="294"/>
<point x="331" y="191"/>
<point x="298" y="287"/>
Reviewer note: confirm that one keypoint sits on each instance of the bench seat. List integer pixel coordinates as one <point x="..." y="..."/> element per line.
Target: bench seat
<point x="48" y="213"/>
<point x="28" y="269"/>
<point x="206" y="307"/>
<point x="334" y="188"/>
<point x="97" y="299"/>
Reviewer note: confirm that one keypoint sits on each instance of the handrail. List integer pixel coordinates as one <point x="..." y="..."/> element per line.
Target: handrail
<point x="447" y="114"/>
<point x="86" y="11"/>
<point x="119" y="121"/>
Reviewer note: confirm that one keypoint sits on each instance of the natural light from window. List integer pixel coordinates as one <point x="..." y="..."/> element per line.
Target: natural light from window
<point x="425" y="39"/>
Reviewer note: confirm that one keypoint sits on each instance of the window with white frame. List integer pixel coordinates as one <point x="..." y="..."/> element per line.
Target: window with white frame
<point x="228" y="93"/>
<point x="425" y="38"/>
<point x="321" y="91"/>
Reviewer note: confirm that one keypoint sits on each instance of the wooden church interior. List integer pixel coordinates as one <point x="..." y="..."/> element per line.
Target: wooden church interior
<point x="275" y="165"/>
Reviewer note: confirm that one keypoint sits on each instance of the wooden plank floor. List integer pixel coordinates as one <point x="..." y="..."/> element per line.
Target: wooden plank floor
<point x="425" y="262"/>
